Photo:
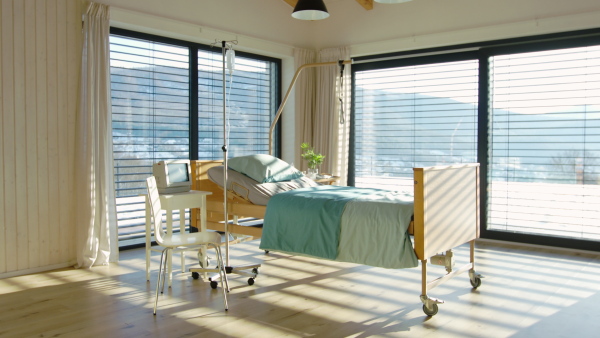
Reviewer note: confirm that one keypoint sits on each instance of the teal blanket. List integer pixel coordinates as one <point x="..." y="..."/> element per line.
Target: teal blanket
<point x="358" y="225"/>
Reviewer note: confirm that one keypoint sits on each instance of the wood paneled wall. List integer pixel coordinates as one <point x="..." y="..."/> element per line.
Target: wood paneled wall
<point x="40" y="57"/>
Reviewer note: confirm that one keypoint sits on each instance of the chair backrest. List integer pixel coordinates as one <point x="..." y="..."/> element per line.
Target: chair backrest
<point x="155" y="207"/>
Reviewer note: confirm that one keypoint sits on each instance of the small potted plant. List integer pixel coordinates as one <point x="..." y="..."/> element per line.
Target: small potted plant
<point x="314" y="159"/>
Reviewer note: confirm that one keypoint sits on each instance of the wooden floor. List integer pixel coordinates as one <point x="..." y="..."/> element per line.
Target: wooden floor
<point x="526" y="292"/>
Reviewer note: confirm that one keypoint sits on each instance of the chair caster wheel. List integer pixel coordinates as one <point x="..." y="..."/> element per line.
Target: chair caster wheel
<point x="195" y="275"/>
<point x="250" y="281"/>
<point x="214" y="284"/>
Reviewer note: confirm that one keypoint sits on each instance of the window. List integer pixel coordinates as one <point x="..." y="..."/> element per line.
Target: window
<point x="155" y="99"/>
<point x="545" y="143"/>
<point x="250" y="105"/>
<point x="413" y="116"/>
<point x="527" y="109"/>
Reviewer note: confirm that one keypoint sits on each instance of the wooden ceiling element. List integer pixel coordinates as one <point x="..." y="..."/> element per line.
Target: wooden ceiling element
<point x="366" y="4"/>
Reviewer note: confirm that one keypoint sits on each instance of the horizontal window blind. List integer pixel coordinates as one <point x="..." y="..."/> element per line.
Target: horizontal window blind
<point x="413" y="116"/>
<point x="152" y="109"/>
<point x="545" y="143"/>
<point x="150" y="120"/>
<point x="251" y="100"/>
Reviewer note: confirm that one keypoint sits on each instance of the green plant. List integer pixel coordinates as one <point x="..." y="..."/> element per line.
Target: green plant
<point x="308" y="153"/>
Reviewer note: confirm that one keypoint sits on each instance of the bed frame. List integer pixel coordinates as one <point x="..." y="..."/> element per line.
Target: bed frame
<point x="446" y="215"/>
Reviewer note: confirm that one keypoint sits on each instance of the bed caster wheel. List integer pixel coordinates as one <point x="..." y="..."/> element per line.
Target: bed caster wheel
<point x="195" y="275"/>
<point x="250" y="281"/>
<point x="432" y="312"/>
<point x="266" y="252"/>
<point x="475" y="282"/>
<point x="214" y="284"/>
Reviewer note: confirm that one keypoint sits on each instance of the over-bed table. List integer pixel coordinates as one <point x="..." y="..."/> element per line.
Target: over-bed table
<point x="445" y="215"/>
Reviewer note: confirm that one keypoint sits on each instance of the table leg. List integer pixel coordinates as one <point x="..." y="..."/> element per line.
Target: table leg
<point x="182" y="231"/>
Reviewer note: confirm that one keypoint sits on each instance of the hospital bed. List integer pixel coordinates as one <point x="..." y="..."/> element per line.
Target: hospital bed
<point x="445" y="215"/>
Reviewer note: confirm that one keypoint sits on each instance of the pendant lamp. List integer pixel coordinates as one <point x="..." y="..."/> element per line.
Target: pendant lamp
<point x="391" y="1"/>
<point x="310" y="10"/>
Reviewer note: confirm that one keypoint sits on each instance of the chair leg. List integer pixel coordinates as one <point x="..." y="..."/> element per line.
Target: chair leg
<point x="160" y="276"/>
<point x="166" y="268"/>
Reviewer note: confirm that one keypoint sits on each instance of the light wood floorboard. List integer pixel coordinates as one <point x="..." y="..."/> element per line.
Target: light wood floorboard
<point x="526" y="292"/>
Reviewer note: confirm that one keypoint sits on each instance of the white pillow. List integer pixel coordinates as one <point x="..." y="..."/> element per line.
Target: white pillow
<point x="264" y="168"/>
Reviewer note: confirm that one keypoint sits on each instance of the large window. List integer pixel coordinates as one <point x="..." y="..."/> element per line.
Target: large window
<point x="413" y="116"/>
<point x="251" y="101"/>
<point x="161" y="111"/>
<point x="528" y="110"/>
<point x="545" y="143"/>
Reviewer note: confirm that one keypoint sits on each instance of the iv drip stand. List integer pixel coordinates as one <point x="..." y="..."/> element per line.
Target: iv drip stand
<point x="228" y="268"/>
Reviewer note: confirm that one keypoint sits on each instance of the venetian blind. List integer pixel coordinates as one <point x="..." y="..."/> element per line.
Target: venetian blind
<point x="413" y="116"/>
<point x="150" y="114"/>
<point x="251" y="100"/>
<point x="545" y="143"/>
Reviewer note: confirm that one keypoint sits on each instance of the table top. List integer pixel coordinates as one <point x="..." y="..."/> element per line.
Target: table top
<point x="183" y="200"/>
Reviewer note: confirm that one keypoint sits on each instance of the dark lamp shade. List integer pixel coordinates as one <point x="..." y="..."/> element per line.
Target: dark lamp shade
<point x="310" y="10"/>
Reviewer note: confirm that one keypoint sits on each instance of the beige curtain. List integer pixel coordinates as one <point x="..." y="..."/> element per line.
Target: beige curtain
<point x="305" y="90"/>
<point x="331" y="125"/>
<point x="95" y="194"/>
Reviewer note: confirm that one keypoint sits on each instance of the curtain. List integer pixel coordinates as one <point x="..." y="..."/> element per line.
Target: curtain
<point x="305" y="90"/>
<point x="331" y="124"/>
<point x="94" y="183"/>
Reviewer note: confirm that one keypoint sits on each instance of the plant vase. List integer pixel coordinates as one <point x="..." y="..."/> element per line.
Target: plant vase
<point x="312" y="173"/>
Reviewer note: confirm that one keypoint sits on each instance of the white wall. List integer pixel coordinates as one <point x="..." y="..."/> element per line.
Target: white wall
<point x="39" y="65"/>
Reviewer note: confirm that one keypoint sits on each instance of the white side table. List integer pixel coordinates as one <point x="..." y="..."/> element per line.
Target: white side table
<point x="170" y="202"/>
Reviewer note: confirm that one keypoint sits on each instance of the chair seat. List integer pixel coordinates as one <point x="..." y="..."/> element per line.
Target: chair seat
<point x="188" y="239"/>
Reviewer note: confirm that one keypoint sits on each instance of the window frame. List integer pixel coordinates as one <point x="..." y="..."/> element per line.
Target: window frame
<point x="483" y="51"/>
<point x="194" y="49"/>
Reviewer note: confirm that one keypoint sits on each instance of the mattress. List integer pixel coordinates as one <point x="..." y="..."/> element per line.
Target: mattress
<point x="257" y="193"/>
<point x="348" y="224"/>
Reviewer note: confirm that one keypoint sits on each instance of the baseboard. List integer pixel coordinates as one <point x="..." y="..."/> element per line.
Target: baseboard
<point x="36" y="270"/>
<point x="536" y="246"/>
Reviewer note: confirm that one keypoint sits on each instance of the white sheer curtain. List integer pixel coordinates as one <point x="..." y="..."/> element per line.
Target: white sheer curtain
<point x="94" y="186"/>
<point x="305" y="90"/>
<point x="331" y="126"/>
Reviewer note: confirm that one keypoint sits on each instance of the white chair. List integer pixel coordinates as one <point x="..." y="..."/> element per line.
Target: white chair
<point x="181" y="241"/>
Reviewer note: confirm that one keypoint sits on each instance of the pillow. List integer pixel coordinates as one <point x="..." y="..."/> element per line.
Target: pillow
<point x="264" y="168"/>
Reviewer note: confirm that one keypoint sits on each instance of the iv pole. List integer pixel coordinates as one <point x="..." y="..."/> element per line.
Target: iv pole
<point x="229" y="269"/>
